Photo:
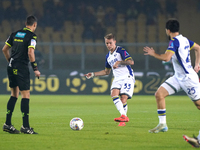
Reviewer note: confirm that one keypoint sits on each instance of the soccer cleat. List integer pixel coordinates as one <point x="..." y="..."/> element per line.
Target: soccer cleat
<point x="193" y="141"/>
<point x="122" y="124"/>
<point x="123" y="118"/>
<point x="10" y="129"/>
<point x="27" y="130"/>
<point x="159" y="128"/>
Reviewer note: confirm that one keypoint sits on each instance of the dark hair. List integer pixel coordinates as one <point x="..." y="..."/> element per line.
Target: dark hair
<point x="172" y="25"/>
<point x="30" y="20"/>
<point x="109" y="36"/>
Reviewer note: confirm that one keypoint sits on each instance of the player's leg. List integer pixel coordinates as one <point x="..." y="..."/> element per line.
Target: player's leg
<point x="197" y="104"/>
<point x="124" y="102"/>
<point x="11" y="104"/>
<point x="160" y="95"/>
<point x="8" y="127"/>
<point x="125" y="106"/>
<point x="26" y="129"/>
<point x="194" y="141"/>
<point x="25" y="107"/>
<point x="24" y="87"/>
<point x="117" y="101"/>
<point x="169" y="87"/>
<point x="126" y="91"/>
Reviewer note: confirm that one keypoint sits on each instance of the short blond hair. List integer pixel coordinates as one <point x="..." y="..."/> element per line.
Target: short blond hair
<point x="109" y="36"/>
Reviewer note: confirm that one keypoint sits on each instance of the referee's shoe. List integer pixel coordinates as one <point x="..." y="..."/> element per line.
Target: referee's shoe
<point x="27" y="130"/>
<point x="10" y="129"/>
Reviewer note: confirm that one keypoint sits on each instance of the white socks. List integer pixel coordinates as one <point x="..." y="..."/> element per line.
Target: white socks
<point x="119" y="105"/>
<point x="162" y="116"/>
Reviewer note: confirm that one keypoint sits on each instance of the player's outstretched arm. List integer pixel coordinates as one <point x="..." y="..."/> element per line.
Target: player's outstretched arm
<point x="165" y="57"/>
<point x="99" y="73"/>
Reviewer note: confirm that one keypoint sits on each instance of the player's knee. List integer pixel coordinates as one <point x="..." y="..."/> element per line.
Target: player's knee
<point x="198" y="107"/>
<point x="197" y="104"/>
<point x="159" y="95"/>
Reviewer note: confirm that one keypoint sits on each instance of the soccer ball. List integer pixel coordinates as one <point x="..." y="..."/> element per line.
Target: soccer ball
<point x="76" y="123"/>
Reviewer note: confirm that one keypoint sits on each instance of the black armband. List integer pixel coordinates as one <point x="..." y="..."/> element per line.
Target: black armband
<point x="34" y="66"/>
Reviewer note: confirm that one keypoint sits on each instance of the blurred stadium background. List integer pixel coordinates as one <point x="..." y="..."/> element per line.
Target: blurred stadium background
<point x="70" y="32"/>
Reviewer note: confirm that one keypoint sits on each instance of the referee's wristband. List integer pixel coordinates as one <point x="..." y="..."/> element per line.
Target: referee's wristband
<point x="34" y="66"/>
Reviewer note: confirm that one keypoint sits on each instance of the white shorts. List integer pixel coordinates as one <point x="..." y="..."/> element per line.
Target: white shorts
<point x="126" y="86"/>
<point x="191" y="86"/>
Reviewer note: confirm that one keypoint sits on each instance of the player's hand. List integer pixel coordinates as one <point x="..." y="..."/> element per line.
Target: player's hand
<point x="37" y="73"/>
<point x="149" y="51"/>
<point x="116" y="64"/>
<point x="89" y="75"/>
<point x="197" y="68"/>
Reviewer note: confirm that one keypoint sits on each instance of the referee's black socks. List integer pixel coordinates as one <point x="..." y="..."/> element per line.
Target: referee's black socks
<point x="10" y="108"/>
<point x="25" y="112"/>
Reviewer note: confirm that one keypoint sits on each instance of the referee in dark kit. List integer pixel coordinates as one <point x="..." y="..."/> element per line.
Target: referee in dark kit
<point x="22" y="44"/>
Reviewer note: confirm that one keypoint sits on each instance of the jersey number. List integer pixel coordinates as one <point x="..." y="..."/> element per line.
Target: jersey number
<point x="188" y="57"/>
<point x="191" y="91"/>
<point x="127" y="86"/>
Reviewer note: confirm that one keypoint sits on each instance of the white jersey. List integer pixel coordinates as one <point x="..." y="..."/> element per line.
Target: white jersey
<point x="123" y="71"/>
<point x="181" y="47"/>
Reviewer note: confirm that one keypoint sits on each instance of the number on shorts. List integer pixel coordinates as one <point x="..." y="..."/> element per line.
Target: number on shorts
<point x="127" y="86"/>
<point x="191" y="91"/>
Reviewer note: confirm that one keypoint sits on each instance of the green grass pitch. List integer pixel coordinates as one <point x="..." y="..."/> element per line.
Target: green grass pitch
<point x="50" y="116"/>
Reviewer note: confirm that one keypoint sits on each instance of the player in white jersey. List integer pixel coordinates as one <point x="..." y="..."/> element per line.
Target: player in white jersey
<point x="185" y="77"/>
<point x="122" y="86"/>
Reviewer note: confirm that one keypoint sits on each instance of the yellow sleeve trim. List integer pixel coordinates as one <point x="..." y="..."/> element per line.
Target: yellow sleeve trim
<point x="107" y="68"/>
<point x="170" y="51"/>
<point x="8" y="44"/>
<point x="128" y="58"/>
<point x="31" y="47"/>
<point x="192" y="46"/>
<point x="35" y="37"/>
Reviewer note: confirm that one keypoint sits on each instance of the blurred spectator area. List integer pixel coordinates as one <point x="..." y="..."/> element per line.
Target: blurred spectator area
<point x="132" y="21"/>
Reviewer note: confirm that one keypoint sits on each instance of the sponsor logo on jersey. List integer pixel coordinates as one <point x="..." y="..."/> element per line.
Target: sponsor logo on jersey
<point x="126" y="53"/>
<point x="171" y="44"/>
<point x="20" y="35"/>
<point x="18" y="40"/>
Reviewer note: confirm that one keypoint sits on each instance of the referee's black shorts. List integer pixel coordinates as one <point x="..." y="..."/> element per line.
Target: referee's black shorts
<point x="19" y="75"/>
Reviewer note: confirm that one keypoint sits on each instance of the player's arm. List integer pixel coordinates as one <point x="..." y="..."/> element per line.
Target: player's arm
<point x="165" y="57"/>
<point x="128" y="61"/>
<point x="6" y="52"/>
<point x="196" y="47"/>
<point x="31" y="56"/>
<point x="99" y="73"/>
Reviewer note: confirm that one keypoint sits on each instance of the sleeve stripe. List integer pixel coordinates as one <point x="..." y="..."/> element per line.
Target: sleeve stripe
<point x="8" y="44"/>
<point x="170" y="51"/>
<point x="128" y="58"/>
<point x="192" y="46"/>
<point x="31" y="47"/>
